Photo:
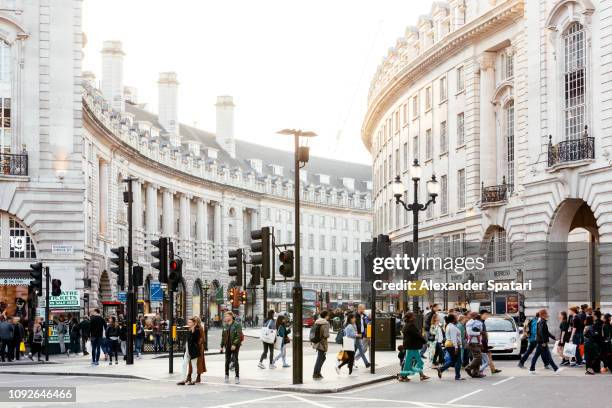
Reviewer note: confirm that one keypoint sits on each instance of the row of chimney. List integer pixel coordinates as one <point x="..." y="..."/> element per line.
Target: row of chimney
<point x="116" y="94"/>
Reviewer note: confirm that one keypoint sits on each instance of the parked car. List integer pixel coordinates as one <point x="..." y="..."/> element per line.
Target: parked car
<point x="504" y="335"/>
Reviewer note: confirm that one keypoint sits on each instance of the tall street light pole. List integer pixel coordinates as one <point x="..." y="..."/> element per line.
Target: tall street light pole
<point x="128" y="198"/>
<point x="433" y="189"/>
<point x="300" y="156"/>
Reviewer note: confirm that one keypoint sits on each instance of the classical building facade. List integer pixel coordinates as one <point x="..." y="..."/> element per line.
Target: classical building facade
<point x="68" y="143"/>
<point x="506" y="102"/>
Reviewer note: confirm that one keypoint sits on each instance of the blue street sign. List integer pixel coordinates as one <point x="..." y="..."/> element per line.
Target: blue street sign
<point x="156" y="292"/>
<point x="122" y="297"/>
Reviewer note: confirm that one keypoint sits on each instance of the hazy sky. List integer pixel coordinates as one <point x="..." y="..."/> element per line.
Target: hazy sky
<point x="301" y="64"/>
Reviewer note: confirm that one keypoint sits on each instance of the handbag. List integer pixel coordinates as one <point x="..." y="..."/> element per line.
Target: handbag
<point x="22" y="347"/>
<point x="339" y="336"/>
<point x="286" y="340"/>
<point x="278" y="343"/>
<point x="348" y="343"/>
<point x="569" y="350"/>
<point x="342" y="356"/>
<point x="268" y="335"/>
<point x="556" y="349"/>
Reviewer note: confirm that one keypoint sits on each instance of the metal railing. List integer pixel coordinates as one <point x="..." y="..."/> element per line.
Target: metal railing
<point x="571" y="150"/>
<point x="495" y="194"/>
<point x="14" y="164"/>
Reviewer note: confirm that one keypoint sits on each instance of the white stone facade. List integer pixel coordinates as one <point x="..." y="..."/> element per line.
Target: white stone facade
<point x="493" y="98"/>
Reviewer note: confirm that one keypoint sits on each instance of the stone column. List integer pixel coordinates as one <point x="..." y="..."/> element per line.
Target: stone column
<point x="137" y="217"/>
<point x="151" y="210"/>
<point x="488" y="136"/>
<point x="103" y="170"/>
<point x="168" y="213"/>
<point x="184" y="215"/>
<point x="217" y="230"/>
<point x="254" y="222"/>
<point x="201" y="221"/>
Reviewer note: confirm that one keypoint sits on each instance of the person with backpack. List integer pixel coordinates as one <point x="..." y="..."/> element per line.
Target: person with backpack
<point x="350" y="332"/>
<point x="231" y="339"/>
<point x="529" y="330"/>
<point x="319" y="333"/>
<point x="473" y="330"/>
<point x="36" y="339"/>
<point x="592" y="351"/>
<point x="269" y="324"/>
<point x="283" y="337"/>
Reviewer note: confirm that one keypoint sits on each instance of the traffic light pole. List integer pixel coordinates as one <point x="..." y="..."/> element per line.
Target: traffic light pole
<point x="373" y="319"/>
<point x="171" y="337"/>
<point x="47" y="312"/>
<point x="297" y="287"/>
<point x="130" y="295"/>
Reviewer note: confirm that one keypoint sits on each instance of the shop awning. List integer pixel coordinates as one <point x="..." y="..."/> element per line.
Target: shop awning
<point x="11" y="277"/>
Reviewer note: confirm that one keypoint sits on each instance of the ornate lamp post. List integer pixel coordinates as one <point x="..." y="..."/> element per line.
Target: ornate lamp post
<point x="433" y="189"/>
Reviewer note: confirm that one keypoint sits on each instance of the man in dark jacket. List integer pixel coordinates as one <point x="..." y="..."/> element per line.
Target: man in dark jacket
<point x="542" y="337"/>
<point x="84" y="330"/>
<point x="6" y="338"/>
<point x="97" y="325"/>
<point x="18" y="335"/>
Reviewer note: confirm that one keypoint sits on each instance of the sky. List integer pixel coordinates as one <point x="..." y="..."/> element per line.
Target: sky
<point x="287" y="63"/>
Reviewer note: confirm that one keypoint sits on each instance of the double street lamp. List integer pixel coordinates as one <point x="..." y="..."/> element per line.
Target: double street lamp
<point x="433" y="189"/>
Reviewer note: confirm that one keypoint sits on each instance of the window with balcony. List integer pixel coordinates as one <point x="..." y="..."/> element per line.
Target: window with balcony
<point x="497" y="249"/>
<point x="574" y="81"/>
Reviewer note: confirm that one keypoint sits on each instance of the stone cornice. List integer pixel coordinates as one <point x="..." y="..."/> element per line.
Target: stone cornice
<point x="382" y="99"/>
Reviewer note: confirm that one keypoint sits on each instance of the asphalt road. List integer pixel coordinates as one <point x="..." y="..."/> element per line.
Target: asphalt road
<point x="541" y="391"/>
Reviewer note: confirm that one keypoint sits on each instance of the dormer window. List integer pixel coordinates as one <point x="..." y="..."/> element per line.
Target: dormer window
<point x="323" y="179"/>
<point x="212" y="153"/>
<point x="194" y="148"/>
<point x="256" y="165"/>
<point x="368" y="185"/>
<point x="348" y="183"/>
<point x="276" y="169"/>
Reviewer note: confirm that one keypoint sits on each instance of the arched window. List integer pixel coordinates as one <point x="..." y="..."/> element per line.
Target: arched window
<point x="15" y="240"/>
<point x="509" y="126"/>
<point x="5" y="98"/>
<point x="574" y="80"/>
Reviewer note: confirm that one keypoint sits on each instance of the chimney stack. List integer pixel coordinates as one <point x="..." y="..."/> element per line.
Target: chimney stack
<point x="112" y="74"/>
<point x="225" y="124"/>
<point x="168" y="104"/>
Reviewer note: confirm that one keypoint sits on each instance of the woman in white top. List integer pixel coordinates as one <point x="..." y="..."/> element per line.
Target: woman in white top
<point x="452" y="345"/>
<point x="436" y="337"/>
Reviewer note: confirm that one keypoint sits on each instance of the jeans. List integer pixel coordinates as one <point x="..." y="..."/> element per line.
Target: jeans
<point x="5" y="349"/>
<point x="114" y="349"/>
<point x="485" y="362"/>
<point x="321" y="356"/>
<point x="74" y="344"/>
<point x="455" y="353"/>
<point x="157" y="343"/>
<point x="578" y="339"/>
<point x="361" y="350"/>
<point x="62" y="343"/>
<point x="542" y="350"/>
<point x="282" y="354"/>
<point x="266" y="347"/>
<point x="139" y="341"/>
<point x="188" y="362"/>
<point x="532" y="345"/>
<point x="232" y="356"/>
<point x="96" y="343"/>
<point x="474" y="366"/>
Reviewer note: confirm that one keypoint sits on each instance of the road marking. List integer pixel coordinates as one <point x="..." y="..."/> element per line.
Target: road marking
<point x="234" y="404"/>
<point x="441" y="404"/>
<point x="503" y="381"/>
<point x="316" y="404"/>
<point x="464" y="396"/>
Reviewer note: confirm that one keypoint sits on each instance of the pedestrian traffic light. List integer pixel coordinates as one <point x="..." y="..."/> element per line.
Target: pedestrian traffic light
<point x="235" y="265"/>
<point x="255" y="276"/>
<point x="36" y="274"/>
<point x="56" y="287"/>
<point x="161" y="254"/>
<point x="176" y="274"/>
<point x="286" y="259"/>
<point x="260" y="250"/>
<point x="119" y="270"/>
<point x="243" y="297"/>
<point x="137" y="276"/>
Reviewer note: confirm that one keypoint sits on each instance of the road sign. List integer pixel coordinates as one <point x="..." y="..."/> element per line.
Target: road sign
<point x="156" y="293"/>
<point x="122" y="297"/>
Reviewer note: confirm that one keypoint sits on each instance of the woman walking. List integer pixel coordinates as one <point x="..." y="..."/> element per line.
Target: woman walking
<point x="283" y="337"/>
<point x="112" y="336"/>
<point x="564" y="337"/>
<point x="36" y="339"/>
<point x="412" y="343"/>
<point x="436" y="337"/>
<point x="192" y="349"/>
<point x="269" y="324"/>
<point x="453" y="347"/>
<point x="61" y="328"/>
<point x="591" y="347"/>
<point x="350" y="332"/>
<point x="201" y="365"/>
<point x="75" y="335"/>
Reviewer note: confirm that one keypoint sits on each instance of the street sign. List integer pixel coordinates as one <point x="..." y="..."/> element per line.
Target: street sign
<point x="122" y="297"/>
<point x="62" y="249"/>
<point x="156" y="293"/>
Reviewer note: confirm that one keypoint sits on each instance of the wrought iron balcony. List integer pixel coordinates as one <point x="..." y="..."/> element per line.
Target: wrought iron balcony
<point x="14" y="164"/>
<point x="496" y="194"/>
<point x="570" y="151"/>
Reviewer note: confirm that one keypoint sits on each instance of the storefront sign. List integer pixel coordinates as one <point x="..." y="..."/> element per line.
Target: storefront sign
<point x="15" y="281"/>
<point x="69" y="299"/>
<point x="62" y="249"/>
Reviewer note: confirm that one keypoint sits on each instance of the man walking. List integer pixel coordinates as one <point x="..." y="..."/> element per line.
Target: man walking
<point x="319" y="336"/>
<point x="362" y="326"/>
<point x="484" y="315"/>
<point x="6" y="338"/>
<point x="231" y="339"/>
<point x="97" y="325"/>
<point x="84" y="330"/>
<point x="530" y="329"/>
<point x="542" y="337"/>
<point x="473" y="330"/>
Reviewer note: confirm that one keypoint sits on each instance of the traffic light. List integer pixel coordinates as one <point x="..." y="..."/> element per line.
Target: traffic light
<point x="243" y="297"/>
<point x="235" y="265"/>
<point x="137" y="276"/>
<point x="120" y="268"/>
<point x="286" y="259"/>
<point x="260" y="250"/>
<point x="161" y="254"/>
<point x="36" y="274"/>
<point x="230" y="295"/>
<point x="56" y="287"/>
<point x="176" y="274"/>
<point x="255" y="276"/>
<point x="383" y="246"/>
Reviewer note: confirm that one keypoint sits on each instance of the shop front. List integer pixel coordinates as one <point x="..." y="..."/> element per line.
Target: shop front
<point x="15" y="299"/>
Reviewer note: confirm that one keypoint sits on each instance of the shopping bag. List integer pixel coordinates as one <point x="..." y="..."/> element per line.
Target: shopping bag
<point x="341" y="356"/>
<point x="268" y="335"/>
<point x="555" y="349"/>
<point x="278" y="343"/>
<point x="569" y="350"/>
<point x="348" y="343"/>
<point x="581" y="348"/>
<point x="22" y="347"/>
